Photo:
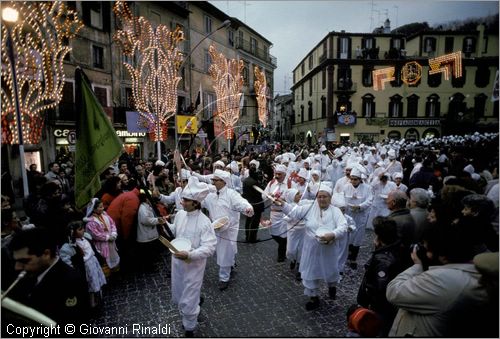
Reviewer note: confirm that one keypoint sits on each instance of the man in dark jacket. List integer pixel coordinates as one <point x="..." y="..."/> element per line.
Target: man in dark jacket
<point x="255" y="199"/>
<point x="383" y="266"/>
<point x="396" y="202"/>
<point x="50" y="286"/>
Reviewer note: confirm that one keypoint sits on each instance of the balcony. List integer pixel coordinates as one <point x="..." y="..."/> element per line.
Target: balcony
<point x="322" y="58"/>
<point x="345" y="86"/>
<point x="256" y="51"/>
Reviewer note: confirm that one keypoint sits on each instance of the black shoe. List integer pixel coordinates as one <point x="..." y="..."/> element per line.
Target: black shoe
<point x="223" y="285"/>
<point x="189" y="334"/>
<point x="202" y="300"/>
<point x="281" y="259"/>
<point x="292" y="264"/>
<point x="332" y="292"/>
<point x="312" y="304"/>
<point x="298" y="276"/>
<point x="353" y="265"/>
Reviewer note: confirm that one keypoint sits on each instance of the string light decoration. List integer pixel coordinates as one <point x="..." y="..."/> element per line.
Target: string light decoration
<point x="40" y="43"/>
<point x="381" y="76"/>
<point x="155" y="76"/>
<point x="227" y="82"/>
<point x="411" y="73"/>
<point x="260" y="85"/>
<point x="443" y="64"/>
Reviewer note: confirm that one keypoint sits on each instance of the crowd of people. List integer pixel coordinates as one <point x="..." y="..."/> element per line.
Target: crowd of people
<point x="432" y="205"/>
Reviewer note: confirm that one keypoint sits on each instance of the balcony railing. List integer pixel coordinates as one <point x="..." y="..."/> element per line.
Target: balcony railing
<point x="345" y="86"/>
<point x="258" y="52"/>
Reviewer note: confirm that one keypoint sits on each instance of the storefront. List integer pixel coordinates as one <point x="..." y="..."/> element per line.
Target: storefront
<point x="133" y="143"/>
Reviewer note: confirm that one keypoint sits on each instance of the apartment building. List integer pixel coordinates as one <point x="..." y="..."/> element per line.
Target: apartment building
<point x="335" y="100"/>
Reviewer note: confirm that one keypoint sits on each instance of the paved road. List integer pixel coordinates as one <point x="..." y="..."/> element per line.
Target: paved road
<point x="263" y="299"/>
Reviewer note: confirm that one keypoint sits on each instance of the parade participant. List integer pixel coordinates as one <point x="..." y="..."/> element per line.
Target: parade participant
<point x="296" y="229"/>
<point x="226" y="202"/>
<point x="234" y="171"/>
<point x="380" y="191"/>
<point x="102" y="228"/>
<point x="50" y="286"/>
<point x="319" y="261"/>
<point x="334" y="170"/>
<point x="312" y="186"/>
<point x="255" y="199"/>
<point x="398" y="180"/>
<point x="359" y="199"/>
<point x="175" y="196"/>
<point x="276" y="188"/>
<point x="301" y="181"/>
<point x="324" y="161"/>
<point x="339" y="185"/>
<point x="338" y="200"/>
<point x="188" y="267"/>
<point x="218" y="165"/>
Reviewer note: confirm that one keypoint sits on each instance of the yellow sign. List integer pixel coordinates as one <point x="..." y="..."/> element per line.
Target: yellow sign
<point x="187" y="124"/>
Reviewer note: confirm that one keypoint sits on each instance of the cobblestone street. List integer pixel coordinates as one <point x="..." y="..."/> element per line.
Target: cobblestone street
<point x="263" y="299"/>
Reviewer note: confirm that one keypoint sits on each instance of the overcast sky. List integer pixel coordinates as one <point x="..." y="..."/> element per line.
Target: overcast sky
<point x="295" y="27"/>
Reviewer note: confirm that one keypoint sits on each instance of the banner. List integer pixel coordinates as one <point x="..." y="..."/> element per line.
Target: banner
<point x="136" y="123"/>
<point x="187" y="124"/>
<point x="97" y="145"/>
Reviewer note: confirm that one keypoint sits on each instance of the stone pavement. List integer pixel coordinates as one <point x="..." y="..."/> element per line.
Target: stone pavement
<point x="263" y="299"/>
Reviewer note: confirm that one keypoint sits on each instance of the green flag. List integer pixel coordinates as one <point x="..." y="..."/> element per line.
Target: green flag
<point x="97" y="145"/>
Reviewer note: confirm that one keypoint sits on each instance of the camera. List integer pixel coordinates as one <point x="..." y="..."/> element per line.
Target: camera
<point x="421" y="253"/>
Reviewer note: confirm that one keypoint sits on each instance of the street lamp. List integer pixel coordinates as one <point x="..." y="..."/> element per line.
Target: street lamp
<point x="10" y="16"/>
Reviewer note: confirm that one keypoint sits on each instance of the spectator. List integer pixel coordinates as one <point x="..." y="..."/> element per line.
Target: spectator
<point x="51" y="286"/>
<point x="418" y="204"/>
<point x="446" y="300"/>
<point x="110" y="190"/>
<point x="383" y="266"/>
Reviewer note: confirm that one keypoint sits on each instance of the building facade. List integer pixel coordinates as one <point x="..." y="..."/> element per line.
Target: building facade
<point x="102" y="60"/>
<point x="335" y="99"/>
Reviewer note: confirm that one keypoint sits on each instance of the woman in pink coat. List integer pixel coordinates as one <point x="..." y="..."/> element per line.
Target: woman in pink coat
<point x="103" y="230"/>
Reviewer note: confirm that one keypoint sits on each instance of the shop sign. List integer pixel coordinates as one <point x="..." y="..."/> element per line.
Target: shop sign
<point x="125" y="134"/>
<point x="413" y="122"/>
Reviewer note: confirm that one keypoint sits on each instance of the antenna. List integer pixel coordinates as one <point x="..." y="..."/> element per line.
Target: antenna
<point x="397" y="11"/>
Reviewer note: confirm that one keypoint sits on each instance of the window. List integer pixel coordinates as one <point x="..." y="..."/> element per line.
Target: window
<point x="323" y="79"/>
<point x="310" y="111"/>
<point x="368" y="43"/>
<point x="479" y="105"/>
<point x="128" y="98"/>
<point x="368" y="106"/>
<point x="67" y="104"/>
<point x="396" y="43"/>
<point x="432" y="106"/>
<point x="97" y="56"/>
<point x="96" y="14"/>
<point x="245" y="73"/>
<point x="412" y="106"/>
<point x="469" y="45"/>
<point x="434" y="80"/>
<point x="266" y="52"/>
<point x="155" y="19"/>
<point x="325" y="45"/>
<point x="459" y="82"/>
<point x="367" y="77"/>
<point x="253" y="46"/>
<point x="485" y="44"/>
<point x="209" y="99"/>
<point x="344" y="43"/>
<point x="482" y="76"/>
<point x="101" y="93"/>
<point x="448" y="44"/>
<point x="244" y="108"/>
<point x="240" y="38"/>
<point x="301" y="113"/>
<point x="429" y="45"/>
<point x="323" y="107"/>
<point x="310" y="87"/>
<point x="395" y="107"/>
<point x="302" y="92"/>
<point x="303" y="69"/>
<point x="230" y="37"/>
<point x="310" y="62"/>
<point x="208" y="61"/>
<point x="397" y="82"/>
<point x="208" y="24"/>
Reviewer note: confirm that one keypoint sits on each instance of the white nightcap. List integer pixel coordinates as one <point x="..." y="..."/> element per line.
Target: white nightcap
<point x="195" y="190"/>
